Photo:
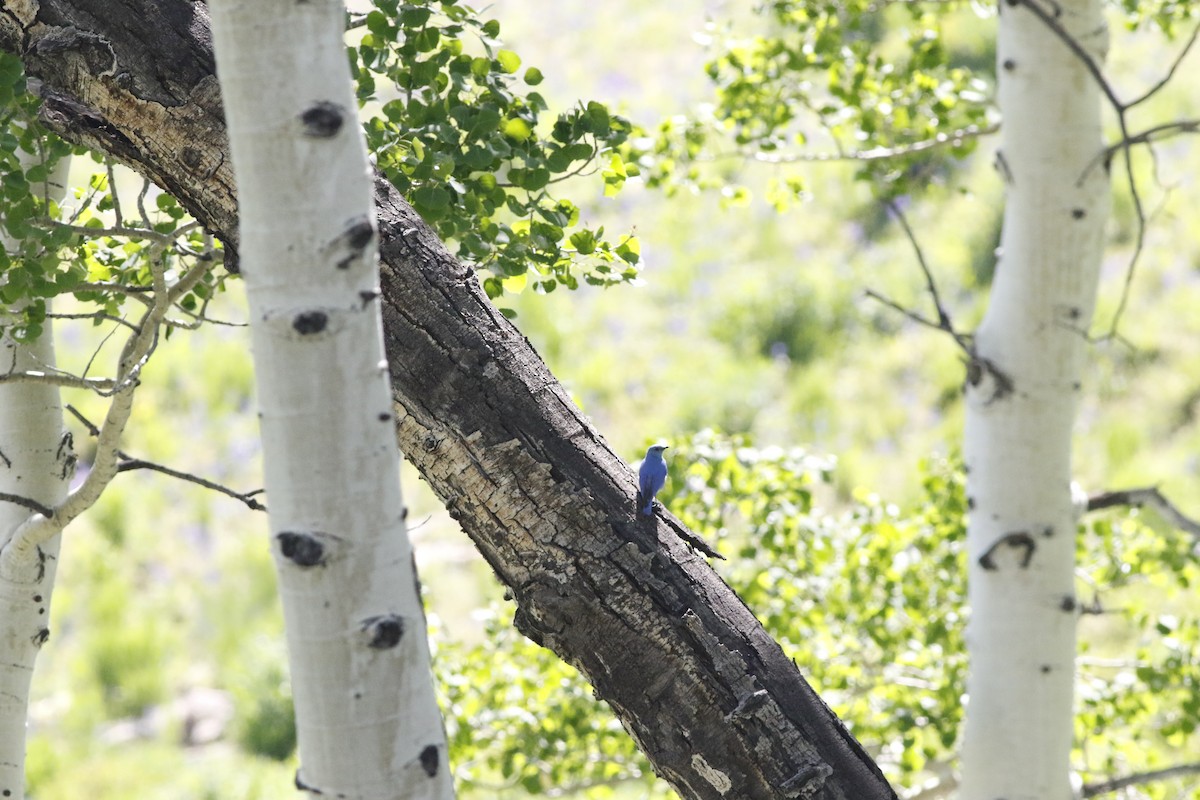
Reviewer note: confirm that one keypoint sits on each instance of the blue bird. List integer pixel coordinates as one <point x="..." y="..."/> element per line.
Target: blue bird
<point x="651" y="477"/>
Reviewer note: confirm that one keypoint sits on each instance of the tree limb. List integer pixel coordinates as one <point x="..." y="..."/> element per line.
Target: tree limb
<point x="660" y="636"/>
<point x="1140" y="778"/>
<point x="1147" y="496"/>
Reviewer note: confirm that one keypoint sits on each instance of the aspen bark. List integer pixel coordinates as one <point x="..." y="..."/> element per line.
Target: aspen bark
<point x="36" y="463"/>
<point x="367" y="719"/>
<point x="1022" y="396"/>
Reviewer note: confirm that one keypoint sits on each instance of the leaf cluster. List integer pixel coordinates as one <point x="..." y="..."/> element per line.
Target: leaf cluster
<point x="452" y="128"/>
<point x="866" y="81"/>
<point x="82" y="240"/>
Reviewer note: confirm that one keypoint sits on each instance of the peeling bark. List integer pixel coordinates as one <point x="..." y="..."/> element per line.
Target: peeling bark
<point x="708" y="695"/>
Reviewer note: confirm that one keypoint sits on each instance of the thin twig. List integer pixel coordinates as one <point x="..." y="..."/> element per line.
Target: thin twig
<point x="1147" y="496"/>
<point x="141" y="204"/>
<point x="128" y="463"/>
<point x="944" y="322"/>
<point x="1153" y="90"/>
<point x="63" y="381"/>
<point x="26" y="502"/>
<point x="112" y="190"/>
<point x="95" y="315"/>
<point x="1139" y="778"/>
<point x="877" y="153"/>
<point x="914" y="316"/>
<point x="85" y="230"/>
<point x="140" y="463"/>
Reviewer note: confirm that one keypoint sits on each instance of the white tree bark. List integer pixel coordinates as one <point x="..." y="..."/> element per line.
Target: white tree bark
<point x="1021" y="404"/>
<point x="367" y="719"/>
<point x="36" y="462"/>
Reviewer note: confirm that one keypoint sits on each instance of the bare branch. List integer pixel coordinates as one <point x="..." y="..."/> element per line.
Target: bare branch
<point x="94" y="315"/>
<point x="140" y="463"/>
<point x="112" y="182"/>
<point x="141" y="203"/>
<point x="944" y="322"/>
<point x="1139" y="778"/>
<point x="953" y="138"/>
<point x="1153" y="90"/>
<point x="87" y="423"/>
<point x="85" y="230"/>
<point x="914" y="316"/>
<point x="26" y="502"/>
<point x="1148" y="496"/>
<point x="128" y="463"/>
<point x="63" y="380"/>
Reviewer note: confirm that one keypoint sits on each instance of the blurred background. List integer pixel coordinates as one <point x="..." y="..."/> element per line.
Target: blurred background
<point x="165" y="675"/>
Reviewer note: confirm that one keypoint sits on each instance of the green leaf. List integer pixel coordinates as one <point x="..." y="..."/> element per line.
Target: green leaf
<point x="533" y="76"/>
<point x="517" y="129"/>
<point x="509" y="61"/>
<point x="584" y="242"/>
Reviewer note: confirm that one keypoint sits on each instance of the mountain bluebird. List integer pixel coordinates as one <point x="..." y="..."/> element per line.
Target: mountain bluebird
<point x="651" y="478"/>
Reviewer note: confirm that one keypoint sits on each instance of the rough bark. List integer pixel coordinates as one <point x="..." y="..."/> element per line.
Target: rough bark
<point x="707" y="694"/>
<point x="1021" y="407"/>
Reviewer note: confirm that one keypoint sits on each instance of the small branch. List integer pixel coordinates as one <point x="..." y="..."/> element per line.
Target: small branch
<point x="1149" y="496"/>
<point x="26" y="502"/>
<point x="943" y="322"/>
<point x="130" y="233"/>
<point x="63" y="380"/>
<point x="128" y="464"/>
<point x="1139" y="778"/>
<point x="953" y="138"/>
<point x="914" y="316"/>
<point x="112" y="190"/>
<point x="1153" y="90"/>
<point x="94" y="315"/>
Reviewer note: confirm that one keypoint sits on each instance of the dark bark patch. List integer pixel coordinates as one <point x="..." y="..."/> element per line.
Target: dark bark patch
<point x="1017" y="540"/>
<point x="323" y="120"/>
<point x="385" y="631"/>
<point x="1009" y="64"/>
<point x="302" y="549"/>
<point x="1067" y="603"/>
<point x="304" y="787"/>
<point x="310" y="322"/>
<point x="359" y="235"/>
<point x="41" y="637"/>
<point x="429" y="760"/>
<point x="1078" y="213"/>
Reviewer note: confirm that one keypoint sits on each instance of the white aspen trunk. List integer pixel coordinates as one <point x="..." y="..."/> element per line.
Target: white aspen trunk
<point x="36" y="462"/>
<point x="367" y="719"/>
<point x="1021" y="403"/>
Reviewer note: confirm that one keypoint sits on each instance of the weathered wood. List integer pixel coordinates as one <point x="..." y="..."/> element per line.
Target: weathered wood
<point x="708" y="695"/>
